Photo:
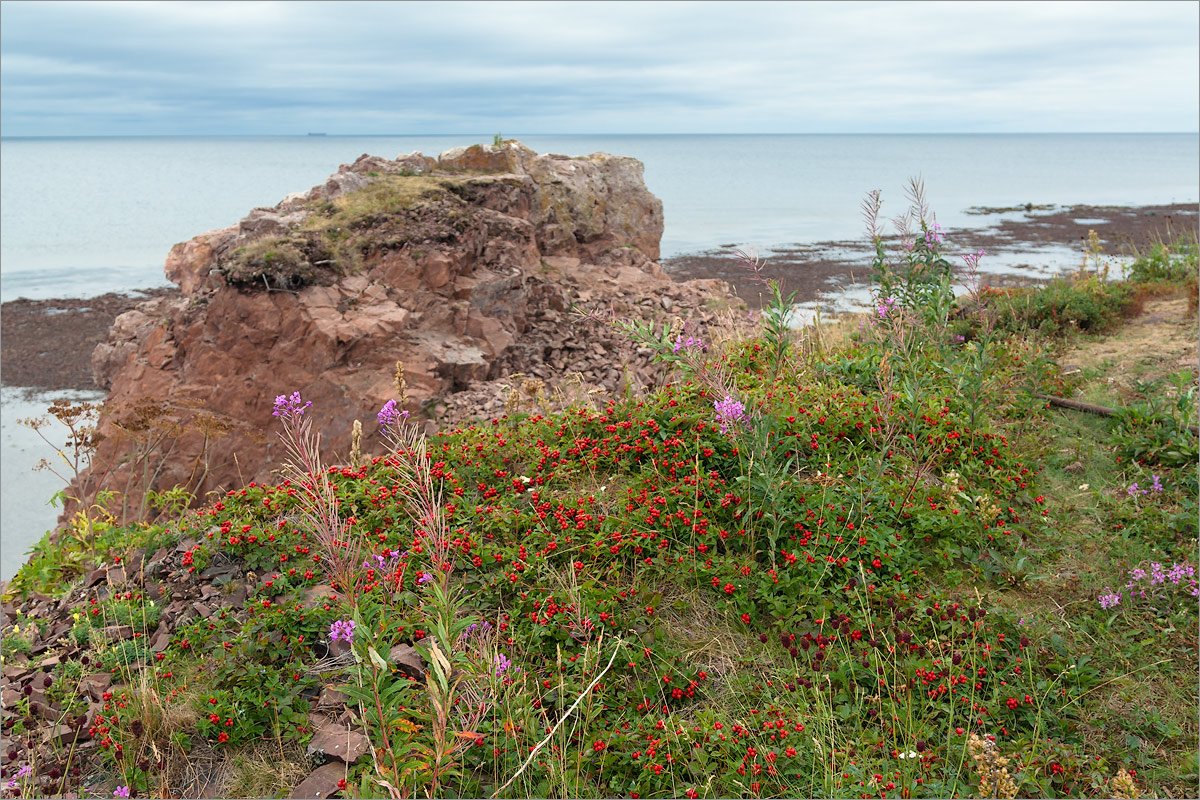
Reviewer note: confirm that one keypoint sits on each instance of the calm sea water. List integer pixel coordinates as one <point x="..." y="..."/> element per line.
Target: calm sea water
<point x="82" y="216"/>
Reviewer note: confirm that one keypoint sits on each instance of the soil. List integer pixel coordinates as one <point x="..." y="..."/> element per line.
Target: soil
<point x="47" y="344"/>
<point x="1157" y="343"/>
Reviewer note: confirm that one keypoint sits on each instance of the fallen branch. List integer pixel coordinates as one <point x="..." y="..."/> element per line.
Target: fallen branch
<point x="1103" y="411"/>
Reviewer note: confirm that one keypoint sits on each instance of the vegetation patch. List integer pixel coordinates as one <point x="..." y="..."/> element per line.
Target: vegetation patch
<point x="876" y="564"/>
<point x="337" y="235"/>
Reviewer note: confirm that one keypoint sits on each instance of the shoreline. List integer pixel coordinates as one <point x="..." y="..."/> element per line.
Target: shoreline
<point x="46" y="345"/>
<point x="1015" y="237"/>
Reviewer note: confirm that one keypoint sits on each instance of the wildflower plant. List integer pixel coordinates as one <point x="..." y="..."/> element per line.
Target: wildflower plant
<point x="921" y="277"/>
<point x="776" y="316"/>
<point x="1156" y="585"/>
<point x="319" y="507"/>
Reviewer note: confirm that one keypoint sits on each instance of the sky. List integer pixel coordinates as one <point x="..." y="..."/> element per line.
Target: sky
<point x="384" y="68"/>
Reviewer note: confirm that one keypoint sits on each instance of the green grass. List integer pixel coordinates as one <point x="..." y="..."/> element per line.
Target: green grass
<point x="897" y="547"/>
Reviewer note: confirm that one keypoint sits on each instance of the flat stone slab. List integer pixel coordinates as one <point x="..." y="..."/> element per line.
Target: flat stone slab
<point x="321" y="783"/>
<point x="341" y="743"/>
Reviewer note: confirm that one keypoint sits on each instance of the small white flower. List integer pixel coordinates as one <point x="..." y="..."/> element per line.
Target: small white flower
<point x="1083" y="487"/>
<point x="523" y="479"/>
<point x="909" y="754"/>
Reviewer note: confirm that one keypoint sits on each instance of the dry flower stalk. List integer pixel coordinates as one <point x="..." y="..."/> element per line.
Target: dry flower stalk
<point x="991" y="766"/>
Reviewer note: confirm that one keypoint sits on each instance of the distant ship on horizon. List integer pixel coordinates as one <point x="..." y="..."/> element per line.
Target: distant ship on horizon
<point x="316" y="134"/>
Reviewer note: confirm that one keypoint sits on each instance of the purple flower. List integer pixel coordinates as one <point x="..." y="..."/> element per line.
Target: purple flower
<point x="1109" y="600"/>
<point x="26" y="771"/>
<point x="290" y="406"/>
<point x="1157" y="484"/>
<point x="121" y="791"/>
<point x="933" y="235"/>
<point x="390" y="415"/>
<point x="972" y="259"/>
<point x="688" y="344"/>
<point x="1157" y="575"/>
<point x="1134" y="491"/>
<point x="342" y="629"/>
<point x="730" y="412"/>
<point x="889" y="304"/>
<point x="424" y="578"/>
<point x="502" y="663"/>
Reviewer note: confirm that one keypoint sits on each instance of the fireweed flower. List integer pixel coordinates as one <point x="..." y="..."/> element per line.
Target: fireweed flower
<point x="342" y="629"/>
<point x="290" y="406"/>
<point x="889" y="305"/>
<point x="730" y="412"/>
<point x="25" y="771"/>
<point x="934" y="235"/>
<point x="1109" y="600"/>
<point x="425" y="578"/>
<point x="481" y="627"/>
<point x="121" y="791"/>
<point x="972" y="259"/>
<point x="688" y="344"/>
<point x="390" y="415"/>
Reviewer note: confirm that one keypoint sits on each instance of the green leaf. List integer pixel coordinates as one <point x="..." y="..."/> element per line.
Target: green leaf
<point x="376" y="659"/>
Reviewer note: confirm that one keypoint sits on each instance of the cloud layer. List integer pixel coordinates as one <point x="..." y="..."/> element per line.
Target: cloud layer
<point x="127" y="68"/>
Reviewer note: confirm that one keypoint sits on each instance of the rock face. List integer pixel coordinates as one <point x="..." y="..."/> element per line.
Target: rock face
<point x="464" y="268"/>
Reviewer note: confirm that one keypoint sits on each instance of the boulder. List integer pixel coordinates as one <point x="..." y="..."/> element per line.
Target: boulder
<point x="444" y="265"/>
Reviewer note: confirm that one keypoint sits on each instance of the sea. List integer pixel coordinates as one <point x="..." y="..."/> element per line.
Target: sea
<point x="83" y="216"/>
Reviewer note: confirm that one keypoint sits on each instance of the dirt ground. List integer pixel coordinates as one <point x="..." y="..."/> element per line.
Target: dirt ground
<point x="1158" y="342"/>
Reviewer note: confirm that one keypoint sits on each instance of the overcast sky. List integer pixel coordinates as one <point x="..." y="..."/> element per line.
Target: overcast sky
<point x="122" y="68"/>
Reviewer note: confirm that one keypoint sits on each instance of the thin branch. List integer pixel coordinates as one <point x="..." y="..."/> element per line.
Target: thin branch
<point x="561" y="720"/>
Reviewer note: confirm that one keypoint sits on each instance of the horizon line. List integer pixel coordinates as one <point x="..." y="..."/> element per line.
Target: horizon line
<point x="323" y="135"/>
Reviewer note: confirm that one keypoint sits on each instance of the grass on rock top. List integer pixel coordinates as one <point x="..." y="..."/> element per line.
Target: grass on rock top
<point x="828" y="598"/>
<point x="339" y="233"/>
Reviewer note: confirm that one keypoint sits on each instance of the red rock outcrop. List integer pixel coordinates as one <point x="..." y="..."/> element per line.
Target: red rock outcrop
<point x="463" y="268"/>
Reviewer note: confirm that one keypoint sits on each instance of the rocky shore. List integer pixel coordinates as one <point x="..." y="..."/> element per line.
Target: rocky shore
<point x="468" y="269"/>
<point x="48" y="344"/>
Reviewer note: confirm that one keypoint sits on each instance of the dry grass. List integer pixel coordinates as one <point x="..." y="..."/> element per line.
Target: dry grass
<point x="385" y="195"/>
<point x="705" y="634"/>
<point x="270" y="770"/>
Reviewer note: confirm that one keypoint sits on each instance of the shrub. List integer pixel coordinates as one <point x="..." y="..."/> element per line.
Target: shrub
<point x="1170" y="263"/>
<point x="1089" y="304"/>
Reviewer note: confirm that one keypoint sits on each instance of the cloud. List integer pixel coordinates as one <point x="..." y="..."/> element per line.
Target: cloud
<point x="273" y="67"/>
